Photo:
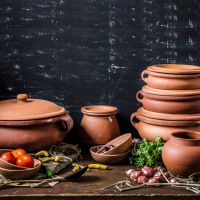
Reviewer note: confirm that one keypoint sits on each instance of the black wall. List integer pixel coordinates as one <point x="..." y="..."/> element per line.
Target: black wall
<point x="80" y="52"/>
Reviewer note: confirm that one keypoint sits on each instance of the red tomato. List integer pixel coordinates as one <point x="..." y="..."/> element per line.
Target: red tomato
<point x="9" y="157"/>
<point x="25" y="161"/>
<point x="19" y="152"/>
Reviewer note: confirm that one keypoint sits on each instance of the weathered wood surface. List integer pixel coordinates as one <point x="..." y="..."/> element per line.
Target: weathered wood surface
<point x="87" y="188"/>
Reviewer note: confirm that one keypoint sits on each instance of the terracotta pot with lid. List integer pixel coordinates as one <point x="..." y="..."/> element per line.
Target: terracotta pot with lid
<point x="33" y="124"/>
<point x="99" y="124"/>
<point x="151" y="125"/>
<point x="181" y="154"/>
<point x="170" y="101"/>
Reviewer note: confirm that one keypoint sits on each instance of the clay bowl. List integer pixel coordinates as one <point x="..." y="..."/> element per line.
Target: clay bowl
<point x="175" y="68"/>
<point x="181" y="153"/>
<point x="121" y="143"/>
<point x="107" y="159"/>
<point x="170" y="101"/>
<point x="161" y="125"/>
<point x="166" y="81"/>
<point x="21" y="173"/>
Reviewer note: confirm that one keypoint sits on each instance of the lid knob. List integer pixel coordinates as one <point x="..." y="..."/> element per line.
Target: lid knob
<point x="22" y="97"/>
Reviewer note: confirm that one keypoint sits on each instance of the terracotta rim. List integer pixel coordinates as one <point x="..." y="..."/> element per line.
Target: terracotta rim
<point x="175" y="68"/>
<point x="186" y="135"/>
<point x="47" y="121"/>
<point x="141" y="94"/>
<point x="165" y="75"/>
<point x="169" y="117"/>
<point x="136" y="118"/>
<point x="176" y="93"/>
<point x="99" y="110"/>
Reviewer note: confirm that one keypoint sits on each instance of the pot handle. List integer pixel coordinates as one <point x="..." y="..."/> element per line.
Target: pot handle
<point x="67" y="121"/>
<point x="134" y="119"/>
<point x="139" y="96"/>
<point x="145" y="75"/>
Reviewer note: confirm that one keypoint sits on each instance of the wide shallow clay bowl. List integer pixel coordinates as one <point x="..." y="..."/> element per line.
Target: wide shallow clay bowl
<point x="166" y="81"/>
<point x="7" y="165"/>
<point x="22" y="173"/>
<point x="170" y="101"/>
<point x="107" y="159"/>
<point x="121" y="143"/>
<point x="175" y="69"/>
<point x="99" y="124"/>
<point x="181" y="154"/>
<point x="151" y="127"/>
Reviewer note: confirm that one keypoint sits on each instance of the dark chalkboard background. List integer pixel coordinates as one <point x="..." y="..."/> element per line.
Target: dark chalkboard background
<point x="80" y="52"/>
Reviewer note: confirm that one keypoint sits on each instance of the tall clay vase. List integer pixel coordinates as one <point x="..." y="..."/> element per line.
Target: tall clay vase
<point x="99" y="124"/>
<point x="181" y="153"/>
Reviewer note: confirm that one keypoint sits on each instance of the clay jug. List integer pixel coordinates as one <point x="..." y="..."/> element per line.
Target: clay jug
<point x="99" y="124"/>
<point x="181" y="153"/>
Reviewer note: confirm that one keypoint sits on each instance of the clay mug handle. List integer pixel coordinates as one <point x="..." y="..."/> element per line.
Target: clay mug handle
<point x="134" y="120"/>
<point x="139" y="96"/>
<point x="67" y="121"/>
<point x="144" y="76"/>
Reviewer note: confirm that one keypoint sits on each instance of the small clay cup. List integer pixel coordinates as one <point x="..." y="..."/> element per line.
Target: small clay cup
<point x="99" y="124"/>
<point x="181" y="154"/>
<point x="107" y="159"/>
<point x="121" y="144"/>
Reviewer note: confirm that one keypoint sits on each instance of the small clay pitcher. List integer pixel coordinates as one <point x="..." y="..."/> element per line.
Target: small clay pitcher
<point x="181" y="154"/>
<point x="99" y="124"/>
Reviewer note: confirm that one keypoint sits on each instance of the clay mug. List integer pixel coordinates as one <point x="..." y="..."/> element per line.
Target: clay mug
<point x="99" y="124"/>
<point x="181" y="153"/>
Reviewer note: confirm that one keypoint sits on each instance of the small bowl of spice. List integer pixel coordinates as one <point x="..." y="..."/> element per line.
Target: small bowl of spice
<point x="107" y="159"/>
<point x="119" y="145"/>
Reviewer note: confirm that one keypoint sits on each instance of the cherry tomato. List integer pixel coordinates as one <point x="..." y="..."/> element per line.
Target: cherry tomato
<point x="25" y="161"/>
<point x="9" y="157"/>
<point x="19" y="152"/>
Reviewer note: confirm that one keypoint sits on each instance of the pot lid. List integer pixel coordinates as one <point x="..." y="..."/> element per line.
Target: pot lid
<point x="169" y="117"/>
<point x="175" y="69"/>
<point x="149" y="90"/>
<point x="23" y="108"/>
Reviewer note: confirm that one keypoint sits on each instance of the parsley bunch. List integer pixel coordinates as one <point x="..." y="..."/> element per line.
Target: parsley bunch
<point x="147" y="153"/>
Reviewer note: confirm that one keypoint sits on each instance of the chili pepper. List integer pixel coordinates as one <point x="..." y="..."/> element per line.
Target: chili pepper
<point x="42" y="153"/>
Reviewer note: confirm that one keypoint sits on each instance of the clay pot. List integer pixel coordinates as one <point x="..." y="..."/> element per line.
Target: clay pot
<point x="181" y="154"/>
<point x="99" y="124"/>
<point x="170" y="101"/>
<point x="166" y="81"/>
<point x="151" y="127"/>
<point x="32" y="124"/>
<point x="175" y="69"/>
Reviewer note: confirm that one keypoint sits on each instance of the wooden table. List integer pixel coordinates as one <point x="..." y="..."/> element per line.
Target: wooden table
<point x="87" y="187"/>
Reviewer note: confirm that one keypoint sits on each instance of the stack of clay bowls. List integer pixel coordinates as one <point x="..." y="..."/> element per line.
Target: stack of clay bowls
<point x="171" y="101"/>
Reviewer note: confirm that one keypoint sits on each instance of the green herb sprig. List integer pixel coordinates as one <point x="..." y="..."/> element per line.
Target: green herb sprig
<point x="147" y="153"/>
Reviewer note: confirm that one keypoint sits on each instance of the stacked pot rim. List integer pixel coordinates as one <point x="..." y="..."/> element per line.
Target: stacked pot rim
<point x="170" y="100"/>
